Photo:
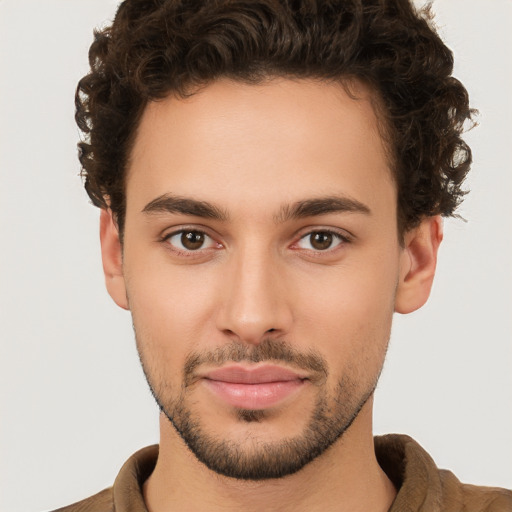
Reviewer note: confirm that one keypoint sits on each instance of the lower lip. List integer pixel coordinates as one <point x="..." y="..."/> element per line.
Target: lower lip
<point x="254" y="396"/>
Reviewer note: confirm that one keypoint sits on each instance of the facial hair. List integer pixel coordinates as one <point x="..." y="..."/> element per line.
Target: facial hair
<point x="331" y="416"/>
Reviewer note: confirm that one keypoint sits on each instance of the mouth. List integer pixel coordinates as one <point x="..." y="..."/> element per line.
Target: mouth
<point x="253" y="387"/>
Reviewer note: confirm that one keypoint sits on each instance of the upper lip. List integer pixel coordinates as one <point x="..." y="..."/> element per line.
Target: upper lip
<point x="238" y="374"/>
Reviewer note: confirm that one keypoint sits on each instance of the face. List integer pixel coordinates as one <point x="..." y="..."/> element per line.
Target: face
<point x="261" y="264"/>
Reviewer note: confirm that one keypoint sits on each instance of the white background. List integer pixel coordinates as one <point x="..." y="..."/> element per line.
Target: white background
<point x="74" y="403"/>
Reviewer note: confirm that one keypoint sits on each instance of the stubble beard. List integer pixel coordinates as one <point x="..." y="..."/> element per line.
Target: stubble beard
<point x="255" y="459"/>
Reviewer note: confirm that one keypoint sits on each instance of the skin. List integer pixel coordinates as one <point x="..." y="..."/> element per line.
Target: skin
<point x="253" y="152"/>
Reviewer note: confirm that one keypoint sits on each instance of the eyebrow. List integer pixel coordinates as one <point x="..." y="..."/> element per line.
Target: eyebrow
<point x="168" y="203"/>
<point x="321" y="206"/>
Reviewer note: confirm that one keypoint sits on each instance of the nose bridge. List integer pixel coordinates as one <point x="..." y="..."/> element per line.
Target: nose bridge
<point x="254" y="302"/>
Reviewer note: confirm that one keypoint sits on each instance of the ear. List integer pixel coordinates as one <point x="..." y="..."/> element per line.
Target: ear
<point x="111" y="254"/>
<point x="418" y="264"/>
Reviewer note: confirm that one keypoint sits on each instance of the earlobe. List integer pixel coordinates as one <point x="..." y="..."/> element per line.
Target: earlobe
<point x="111" y="254"/>
<point x="418" y="264"/>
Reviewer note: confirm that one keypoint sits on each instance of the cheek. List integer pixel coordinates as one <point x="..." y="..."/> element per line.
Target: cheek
<point x="350" y="314"/>
<point x="171" y="306"/>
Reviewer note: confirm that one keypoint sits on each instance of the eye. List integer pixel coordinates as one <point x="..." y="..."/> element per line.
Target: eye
<point x="190" y="240"/>
<point x="320" y="241"/>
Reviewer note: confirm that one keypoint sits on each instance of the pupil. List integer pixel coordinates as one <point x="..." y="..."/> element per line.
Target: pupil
<point x="321" y="241"/>
<point x="192" y="240"/>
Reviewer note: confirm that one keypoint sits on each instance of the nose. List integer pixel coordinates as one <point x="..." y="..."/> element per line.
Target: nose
<point x="255" y="299"/>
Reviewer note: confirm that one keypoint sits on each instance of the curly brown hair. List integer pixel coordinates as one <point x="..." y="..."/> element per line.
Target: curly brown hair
<point x="158" y="47"/>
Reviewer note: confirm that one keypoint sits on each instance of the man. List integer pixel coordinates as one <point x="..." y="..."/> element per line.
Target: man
<point x="271" y="177"/>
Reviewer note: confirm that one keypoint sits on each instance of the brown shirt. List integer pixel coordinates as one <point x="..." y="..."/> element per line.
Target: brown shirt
<point x="422" y="487"/>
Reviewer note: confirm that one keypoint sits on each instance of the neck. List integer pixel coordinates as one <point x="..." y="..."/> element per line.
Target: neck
<point x="346" y="477"/>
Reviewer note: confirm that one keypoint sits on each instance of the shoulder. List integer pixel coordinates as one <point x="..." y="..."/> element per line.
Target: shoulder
<point x="423" y="487"/>
<point x="101" y="502"/>
<point x="473" y="498"/>
<point x="126" y="493"/>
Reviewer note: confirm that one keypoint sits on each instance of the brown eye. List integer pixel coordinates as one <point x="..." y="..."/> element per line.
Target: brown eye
<point x="192" y="240"/>
<point x="189" y="240"/>
<point x="320" y="241"/>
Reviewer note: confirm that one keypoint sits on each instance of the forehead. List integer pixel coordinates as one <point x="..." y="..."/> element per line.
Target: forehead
<point x="234" y="142"/>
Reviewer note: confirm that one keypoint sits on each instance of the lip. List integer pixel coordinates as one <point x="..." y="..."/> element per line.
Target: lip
<point x="261" y="374"/>
<point x="253" y="388"/>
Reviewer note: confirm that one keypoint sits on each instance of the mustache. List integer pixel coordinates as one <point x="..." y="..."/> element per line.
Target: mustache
<point x="269" y="350"/>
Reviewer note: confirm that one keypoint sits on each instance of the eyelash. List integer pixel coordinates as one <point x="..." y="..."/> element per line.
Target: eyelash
<point x="342" y="238"/>
<point x="187" y="253"/>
